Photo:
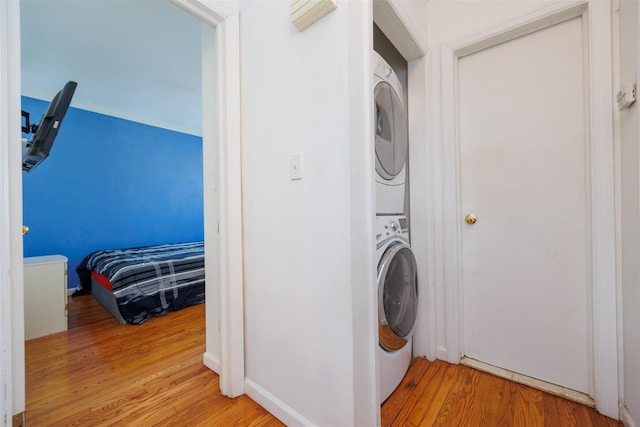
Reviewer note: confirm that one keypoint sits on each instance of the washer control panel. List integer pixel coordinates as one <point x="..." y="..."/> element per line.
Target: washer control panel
<point x="391" y="226"/>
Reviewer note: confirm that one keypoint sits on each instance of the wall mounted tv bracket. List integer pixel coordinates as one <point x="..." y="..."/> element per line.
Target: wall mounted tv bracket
<point x="28" y="127"/>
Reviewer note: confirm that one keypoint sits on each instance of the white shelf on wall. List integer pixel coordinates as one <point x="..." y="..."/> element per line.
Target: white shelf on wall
<point x="306" y="12"/>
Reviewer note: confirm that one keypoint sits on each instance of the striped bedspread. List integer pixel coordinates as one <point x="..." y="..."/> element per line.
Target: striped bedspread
<point x="152" y="280"/>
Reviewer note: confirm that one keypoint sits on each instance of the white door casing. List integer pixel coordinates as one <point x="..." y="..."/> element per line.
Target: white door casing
<point x="221" y="130"/>
<point x="596" y="15"/>
<point x="523" y="167"/>
<point x="11" y="289"/>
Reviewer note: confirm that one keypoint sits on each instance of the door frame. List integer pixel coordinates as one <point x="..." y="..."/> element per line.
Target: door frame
<point x="224" y="111"/>
<point x="11" y="270"/>
<point x="596" y="16"/>
<point x="396" y="24"/>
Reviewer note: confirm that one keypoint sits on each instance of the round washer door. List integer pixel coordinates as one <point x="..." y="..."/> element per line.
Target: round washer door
<point x="397" y="296"/>
<point x="390" y="131"/>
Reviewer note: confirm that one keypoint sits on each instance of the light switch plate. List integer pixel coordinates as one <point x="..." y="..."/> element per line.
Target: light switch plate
<point x="295" y="166"/>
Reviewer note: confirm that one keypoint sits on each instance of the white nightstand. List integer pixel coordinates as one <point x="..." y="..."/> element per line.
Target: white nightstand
<point x="45" y="295"/>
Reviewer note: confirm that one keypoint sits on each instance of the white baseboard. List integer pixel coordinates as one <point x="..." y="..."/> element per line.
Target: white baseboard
<point x="625" y="416"/>
<point x="275" y="406"/>
<point x="441" y="353"/>
<point x="211" y="362"/>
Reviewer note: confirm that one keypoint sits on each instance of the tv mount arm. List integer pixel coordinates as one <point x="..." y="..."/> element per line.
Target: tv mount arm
<point x="28" y="127"/>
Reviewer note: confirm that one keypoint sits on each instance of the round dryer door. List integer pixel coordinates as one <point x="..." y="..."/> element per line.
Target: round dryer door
<point x="391" y="132"/>
<point x="397" y="296"/>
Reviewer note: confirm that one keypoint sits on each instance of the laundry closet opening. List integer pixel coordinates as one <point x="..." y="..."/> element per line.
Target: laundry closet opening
<point x="397" y="281"/>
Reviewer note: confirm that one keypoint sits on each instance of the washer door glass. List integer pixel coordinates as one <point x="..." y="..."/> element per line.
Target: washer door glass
<point x="397" y="296"/>
<point x="390" y="131"/>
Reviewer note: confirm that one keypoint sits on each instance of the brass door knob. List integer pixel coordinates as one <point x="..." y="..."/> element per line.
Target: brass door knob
<point x="470" y="219"/>
<point x="25" y="230"/>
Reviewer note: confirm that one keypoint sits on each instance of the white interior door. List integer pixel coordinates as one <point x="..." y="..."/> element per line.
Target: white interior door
<point x="524" y="175"/>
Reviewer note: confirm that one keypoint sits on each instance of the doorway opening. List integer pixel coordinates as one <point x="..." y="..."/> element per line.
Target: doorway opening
<point x="225" y="78"/>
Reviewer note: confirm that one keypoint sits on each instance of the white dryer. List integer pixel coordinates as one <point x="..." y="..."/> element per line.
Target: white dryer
<point x="390" y="125"/>
<point x="397" y="284"/>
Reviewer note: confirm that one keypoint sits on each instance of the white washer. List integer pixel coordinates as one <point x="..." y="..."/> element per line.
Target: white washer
<point x="397" y="285"/>
<point x="390" y="127"/>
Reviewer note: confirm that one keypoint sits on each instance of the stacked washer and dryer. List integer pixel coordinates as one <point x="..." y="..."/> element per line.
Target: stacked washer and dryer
<point x="397" y="271"/>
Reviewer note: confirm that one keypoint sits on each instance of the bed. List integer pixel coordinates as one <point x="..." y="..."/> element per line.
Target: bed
<point x="136" y="284"/>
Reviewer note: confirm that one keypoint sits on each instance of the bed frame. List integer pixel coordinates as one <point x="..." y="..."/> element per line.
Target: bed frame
<point x="107" y="299"/>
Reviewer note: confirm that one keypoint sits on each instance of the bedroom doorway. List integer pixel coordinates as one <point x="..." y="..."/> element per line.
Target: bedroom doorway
<point x="225" y="227"/>
<point x="138" y="120"/>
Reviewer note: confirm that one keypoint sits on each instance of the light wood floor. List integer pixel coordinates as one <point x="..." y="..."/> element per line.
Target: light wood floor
<point x="101" y="373"/>
<point x="440" y="394"/>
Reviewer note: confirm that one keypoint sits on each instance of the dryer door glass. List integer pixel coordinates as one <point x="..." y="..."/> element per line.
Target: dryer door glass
<point x="398" y="297"/>
<point x="390" y="131"/>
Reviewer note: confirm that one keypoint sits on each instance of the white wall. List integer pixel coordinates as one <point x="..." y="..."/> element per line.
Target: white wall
<point x="630" y="212"/>
<point x="310" y="295"/>
<point x="298" y="234"/>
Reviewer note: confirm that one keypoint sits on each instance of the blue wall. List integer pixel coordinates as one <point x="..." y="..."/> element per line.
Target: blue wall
<point x="111" y="183"/>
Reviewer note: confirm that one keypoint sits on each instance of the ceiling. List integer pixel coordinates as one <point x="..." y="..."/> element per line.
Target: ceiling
<point x="135" y="59"/>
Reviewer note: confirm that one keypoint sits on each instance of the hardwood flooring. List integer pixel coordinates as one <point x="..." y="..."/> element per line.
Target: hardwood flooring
<point x="102" y="373"/>
<point x="440" y="394"/>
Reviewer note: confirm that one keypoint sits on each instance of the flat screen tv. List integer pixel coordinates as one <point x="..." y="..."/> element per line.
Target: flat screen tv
<point x="45" y="132"/>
